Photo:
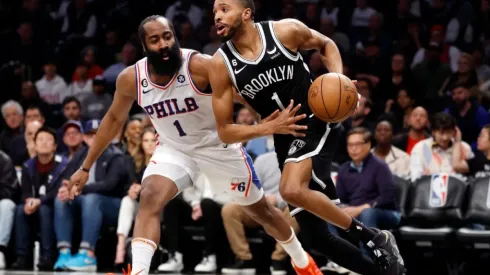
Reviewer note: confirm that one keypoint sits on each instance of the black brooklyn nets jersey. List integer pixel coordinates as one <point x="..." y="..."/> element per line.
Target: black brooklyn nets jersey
<point x="269" y="82"/>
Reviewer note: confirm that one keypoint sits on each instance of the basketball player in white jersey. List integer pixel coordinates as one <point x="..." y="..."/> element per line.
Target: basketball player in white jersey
<point x="171" y="85"/>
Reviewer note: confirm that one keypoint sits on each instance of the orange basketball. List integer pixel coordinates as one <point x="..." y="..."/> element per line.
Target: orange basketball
<point x="332" y="97"/>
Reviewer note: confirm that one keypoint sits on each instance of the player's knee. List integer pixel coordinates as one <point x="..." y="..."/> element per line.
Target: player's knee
<point x="152" y="200"/>
<point x="291" y="192"/>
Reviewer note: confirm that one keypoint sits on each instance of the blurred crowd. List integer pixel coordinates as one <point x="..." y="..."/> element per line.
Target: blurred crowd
<point x="422" y="68"/>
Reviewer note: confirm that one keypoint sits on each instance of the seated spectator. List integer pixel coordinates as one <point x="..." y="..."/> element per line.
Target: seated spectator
<point x="214" y="43"/>
<point x="71" y="111"/>
<point x="184" y="10"/>
<point x="129" y="204"/>
<point x="72" y="108"/>
<point x="365" y="185"/>
<point x="479" y="166"/>
<point x="236" y="220"/>
<point x="482" y="69"/>
<point x="30" y="97"/>
<point x="401" y="108"/>
<point x="447" y="54"/>
<point x="418" y="123"/>
<point x="31" y="130"/>
<point x="398" y="161"/>
<point x="398" y="77"/>
<point x="72" y="137"/>
<point x="51" y="87"/>
<point x="12" y="140"/>
<point x="470" y="115"/>
<point x="99" y="203"/>
<point x="88" y="55"/>
<point x="464" y="76"/>
<point x="187" y="35"/>
<point x="430" y="74"/>
<point x="79" y="22"/>
<point x="256" y="146"/>
<point x="83" y="86"/>
<point x="198" y="205"/>
<point x="132" y="138"/>
<point x="434" y="155"/>
<point x="9" y="188"/>
<point x="460" y="29"/>
<point x="33" y="113"/>
<point x="41" y="177"/>
<point x="330" y="11"/>
<point x="96" y="104"/>
<point x="360" y="118"/>
<point x="317" y="68"/>
<point x="128" y="57"/>
<point x="328" y="28"/>
<point x="361" y="14"/>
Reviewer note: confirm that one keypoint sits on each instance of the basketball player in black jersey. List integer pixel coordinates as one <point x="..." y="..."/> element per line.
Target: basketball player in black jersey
<point x="263" y="64"/>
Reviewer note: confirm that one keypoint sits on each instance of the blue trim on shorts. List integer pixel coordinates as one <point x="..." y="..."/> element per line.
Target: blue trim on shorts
<point x="255" y="178"/>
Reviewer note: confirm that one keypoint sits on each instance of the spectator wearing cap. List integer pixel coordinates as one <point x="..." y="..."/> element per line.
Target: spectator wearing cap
<point x="96" y="104"/>
<point x="41" y="177"/>
<point x="446" y="53"/>
<point x="12" y="140"/>
<point x="9" y="189"/>
<point x="99" y="202"/>
<point x="51" y="86"/>
<point x="83" y="86"/>
<point x="72" y="137"/>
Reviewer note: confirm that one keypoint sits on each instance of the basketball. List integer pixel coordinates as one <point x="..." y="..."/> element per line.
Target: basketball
<point x="332" y="97"/>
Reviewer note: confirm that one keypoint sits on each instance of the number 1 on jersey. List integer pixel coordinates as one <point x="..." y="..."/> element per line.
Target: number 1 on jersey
<point x="276" y="98"/>
<point x="179" y="128"/>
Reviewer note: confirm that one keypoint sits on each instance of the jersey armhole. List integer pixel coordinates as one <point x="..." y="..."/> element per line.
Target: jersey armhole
<point x="207" y="91"/>
<point x="137" y="77"/>
<point x="228" y="68"/>
<point x="288" y="53"/>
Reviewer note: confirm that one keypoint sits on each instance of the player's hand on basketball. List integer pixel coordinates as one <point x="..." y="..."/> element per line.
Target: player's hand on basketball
<point x="196" y="212"/>
<point x="77" y="182"/>
<point x="285" y="121"/>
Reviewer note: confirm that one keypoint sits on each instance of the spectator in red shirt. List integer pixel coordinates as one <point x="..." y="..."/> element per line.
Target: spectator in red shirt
<point x="419" y="123"/>
<point x="89" y="57"/>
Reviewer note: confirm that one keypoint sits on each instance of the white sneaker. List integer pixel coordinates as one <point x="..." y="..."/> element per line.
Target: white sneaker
<point x="174" y="264"/>
<point x="2" y="260"/>
<point x="207" y="265"/>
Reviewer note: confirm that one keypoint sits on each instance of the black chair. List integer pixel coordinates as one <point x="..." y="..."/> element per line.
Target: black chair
<point x="476" y="242"/>
<point x="434" y="208"/>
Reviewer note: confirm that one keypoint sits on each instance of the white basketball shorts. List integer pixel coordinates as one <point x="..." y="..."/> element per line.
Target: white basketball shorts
<point x="228" y="168"/>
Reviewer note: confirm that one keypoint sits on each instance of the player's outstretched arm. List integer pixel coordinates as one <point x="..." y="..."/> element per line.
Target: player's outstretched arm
<point x="222" y="87"/>
<point x="283" y="122"/>
<point x="295" y="35"/>
<point x="110" y="126"/>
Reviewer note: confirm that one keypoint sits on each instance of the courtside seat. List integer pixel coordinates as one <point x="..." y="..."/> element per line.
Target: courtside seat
<point x="420" y="235"/>
<point x="433" y="213"/>
<point x="478" y="212"/>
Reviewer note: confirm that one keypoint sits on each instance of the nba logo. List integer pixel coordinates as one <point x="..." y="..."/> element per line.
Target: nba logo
<point x="438" y="190"/>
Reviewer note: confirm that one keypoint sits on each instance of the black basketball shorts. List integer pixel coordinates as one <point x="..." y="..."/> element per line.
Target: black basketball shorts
<point x="320" y="144"/>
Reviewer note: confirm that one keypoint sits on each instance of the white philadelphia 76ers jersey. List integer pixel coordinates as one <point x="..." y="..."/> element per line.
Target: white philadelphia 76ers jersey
<point x="181" y="114"/>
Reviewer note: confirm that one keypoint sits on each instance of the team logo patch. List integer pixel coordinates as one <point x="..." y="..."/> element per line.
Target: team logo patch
<point x="438" y="190"/>
<point x="238" y="185"/>
<point x="296" y="146"/>
<point x="181" y="79"/>
<point x="144" y="82"/>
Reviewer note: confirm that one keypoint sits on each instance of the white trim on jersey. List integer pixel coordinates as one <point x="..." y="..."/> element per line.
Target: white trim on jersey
<point x="229" y="68"/>
<point x="262" y="53"/>
<point x="189" y="75"/>
<point x="137" y="72"/>
<point x="281" y="46"/>
<point x="317" y="179"/>
<point x="312" y="153"/>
